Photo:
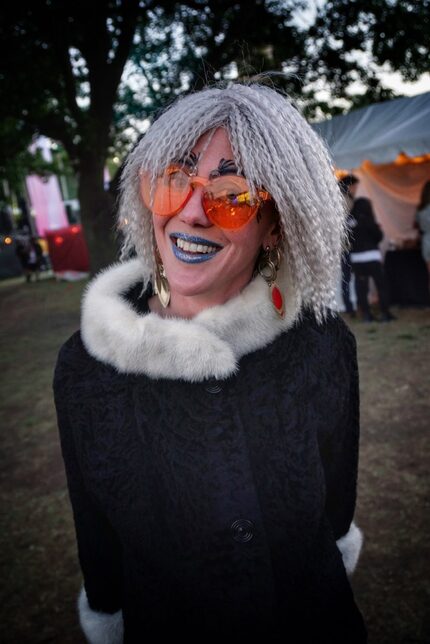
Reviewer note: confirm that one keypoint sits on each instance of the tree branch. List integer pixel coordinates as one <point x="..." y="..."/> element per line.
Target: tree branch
<point x="52" y="126"/>
<point x="61" y="46"/>
<point x="129" y="20"/>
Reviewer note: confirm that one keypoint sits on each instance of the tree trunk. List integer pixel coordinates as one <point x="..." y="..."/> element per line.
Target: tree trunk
<point x="97" y="213"/>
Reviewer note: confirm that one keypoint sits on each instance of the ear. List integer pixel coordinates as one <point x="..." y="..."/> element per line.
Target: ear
<point x="273" y="235"/>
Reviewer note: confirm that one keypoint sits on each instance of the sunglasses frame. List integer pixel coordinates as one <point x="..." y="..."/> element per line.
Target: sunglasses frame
<point x="196" y="180"/>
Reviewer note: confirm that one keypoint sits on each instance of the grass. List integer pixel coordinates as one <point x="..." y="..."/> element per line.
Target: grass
<point x="38" y="560"/>
<point x="391" y="584"/>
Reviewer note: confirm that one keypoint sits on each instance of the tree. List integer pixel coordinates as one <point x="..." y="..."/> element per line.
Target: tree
<point x="61" y="67"/>
<point x="20" y="157"/>
<point x="88" y="76"/>
<point x="352" y="41"/>
<point x="216" y="35"/>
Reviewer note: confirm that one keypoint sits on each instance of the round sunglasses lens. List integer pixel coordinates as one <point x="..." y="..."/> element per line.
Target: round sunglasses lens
<point x="227" y="202"/>
<point x="170" y="193"/>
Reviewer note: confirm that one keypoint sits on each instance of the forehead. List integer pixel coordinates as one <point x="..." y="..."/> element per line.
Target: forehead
<point x="213" y="146"/>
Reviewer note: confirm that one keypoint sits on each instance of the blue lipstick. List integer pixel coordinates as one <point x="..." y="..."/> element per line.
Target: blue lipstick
<point x="188" y="257"/>
<point x="191" y="258"/>
<point x="194" y="240"/>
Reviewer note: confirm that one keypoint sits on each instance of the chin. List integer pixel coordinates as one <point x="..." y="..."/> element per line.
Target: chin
<point x="188" y="280"/>
<point x="188" y="288"/>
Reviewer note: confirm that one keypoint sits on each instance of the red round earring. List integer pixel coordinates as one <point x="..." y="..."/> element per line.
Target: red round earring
<point x="268" y="267"/>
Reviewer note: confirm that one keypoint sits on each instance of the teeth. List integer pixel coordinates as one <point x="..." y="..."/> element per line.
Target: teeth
<point x="194" y="248"/>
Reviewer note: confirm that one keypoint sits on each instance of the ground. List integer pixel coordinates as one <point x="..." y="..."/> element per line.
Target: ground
<point x="38" y="560"/>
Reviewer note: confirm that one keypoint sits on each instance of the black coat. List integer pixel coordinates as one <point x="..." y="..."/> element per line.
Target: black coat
<point x="366" y="234"/>
<point x="213" y="494"/>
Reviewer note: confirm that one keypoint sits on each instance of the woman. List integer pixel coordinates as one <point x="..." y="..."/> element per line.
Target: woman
<point x="422" y="218"/>
<point x="208" y="407"/>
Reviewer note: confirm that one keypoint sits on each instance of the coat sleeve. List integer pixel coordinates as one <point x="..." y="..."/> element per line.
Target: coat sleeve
<point x="339" y="452"/>
<point x="99" y="602"/>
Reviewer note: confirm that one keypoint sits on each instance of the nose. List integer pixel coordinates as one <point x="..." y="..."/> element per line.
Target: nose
<point x="192" y="213"/>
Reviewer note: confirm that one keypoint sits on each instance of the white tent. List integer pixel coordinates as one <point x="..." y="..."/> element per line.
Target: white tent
<point x="380" y="132"/>
<point x="387" y="146"/>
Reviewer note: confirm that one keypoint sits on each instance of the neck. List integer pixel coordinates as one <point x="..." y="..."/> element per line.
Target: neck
<point x="188" y="306"/>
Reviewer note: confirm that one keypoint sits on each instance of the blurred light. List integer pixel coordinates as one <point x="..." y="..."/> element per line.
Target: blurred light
<point x="404" y="159"/>
<point x="74" y="229"/>
<point x="58" y="240"/>
<point x="115" y="159"/>
<point x="7" y="241"/>
<point x="125" y="221"/>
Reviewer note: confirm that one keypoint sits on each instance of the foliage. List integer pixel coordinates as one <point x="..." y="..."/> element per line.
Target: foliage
<point x="183" y="46"/>
<point x="352" y="41"/>
<point x="20" y="157"/>
<point x="60" y="68"/>
<point x="89" y="79"/>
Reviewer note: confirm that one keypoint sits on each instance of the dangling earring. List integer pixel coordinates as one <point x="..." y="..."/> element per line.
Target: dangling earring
<point x="268" y="266"/>
<point x="161" y="286"/>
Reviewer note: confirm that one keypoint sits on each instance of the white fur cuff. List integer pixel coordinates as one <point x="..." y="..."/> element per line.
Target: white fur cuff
<point x="350" y="547"/>
<point x="98" y="627"/>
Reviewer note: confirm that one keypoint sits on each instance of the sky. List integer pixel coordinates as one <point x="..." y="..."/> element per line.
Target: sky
<point x="392" y="80"/>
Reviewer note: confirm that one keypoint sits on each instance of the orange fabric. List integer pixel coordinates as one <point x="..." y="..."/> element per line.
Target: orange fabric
<point x="394" y="190"/>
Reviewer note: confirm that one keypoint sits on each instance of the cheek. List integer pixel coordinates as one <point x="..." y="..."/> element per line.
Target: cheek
<point x="159" y="224"/>
<point x="244" y="250"/>
<point x="159" y="235"/>
<point x="250" y="239"/>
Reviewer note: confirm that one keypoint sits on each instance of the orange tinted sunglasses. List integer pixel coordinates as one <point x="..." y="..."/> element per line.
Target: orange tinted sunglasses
<point x="226" y="199"/>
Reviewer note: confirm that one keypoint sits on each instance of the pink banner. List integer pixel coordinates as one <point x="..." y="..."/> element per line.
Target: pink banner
<point x="46" y="202"/>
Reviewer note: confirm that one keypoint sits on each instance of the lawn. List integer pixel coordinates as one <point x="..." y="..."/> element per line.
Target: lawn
<point x="39" y="565"/>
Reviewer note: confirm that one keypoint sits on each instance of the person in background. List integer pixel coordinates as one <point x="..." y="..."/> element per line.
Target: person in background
<point x="348" y="186"/>
<point x="30" y="254"/>
<point x="422" y="219"/>
<point x="366" y="258"/>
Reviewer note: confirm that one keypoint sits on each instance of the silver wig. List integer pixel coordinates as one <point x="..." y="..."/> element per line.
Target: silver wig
<point x="274" y="147"/>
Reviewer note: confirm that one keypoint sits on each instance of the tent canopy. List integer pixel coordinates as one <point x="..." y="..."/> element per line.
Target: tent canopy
<point x="380" y="132"/>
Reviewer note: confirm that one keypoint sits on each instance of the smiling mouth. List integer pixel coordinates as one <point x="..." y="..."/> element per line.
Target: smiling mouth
<point x="194" y="245"/>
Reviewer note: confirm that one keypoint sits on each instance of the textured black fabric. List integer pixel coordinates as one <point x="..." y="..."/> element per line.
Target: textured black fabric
<point x="407" y="278"/>
<point x="211" y="510"/>
<point x="367" y="233"/>
<point x="363" y="271"/>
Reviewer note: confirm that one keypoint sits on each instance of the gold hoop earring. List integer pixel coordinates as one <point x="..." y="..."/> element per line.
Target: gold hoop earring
<point x="161" y="286"/>
<point x="268" y="267"/>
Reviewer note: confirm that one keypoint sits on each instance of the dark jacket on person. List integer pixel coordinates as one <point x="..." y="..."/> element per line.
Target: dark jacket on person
<point x="366" y="234"/>
<point x="23" y="251"/>
<point x="212" y="468"/>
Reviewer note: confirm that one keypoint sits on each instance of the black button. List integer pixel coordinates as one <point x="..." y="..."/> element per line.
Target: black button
<point x="213" y="387"/>
<point x="242" y="530"/>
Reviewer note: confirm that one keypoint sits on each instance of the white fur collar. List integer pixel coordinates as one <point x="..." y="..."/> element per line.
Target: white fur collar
<point x="206" y="346"/>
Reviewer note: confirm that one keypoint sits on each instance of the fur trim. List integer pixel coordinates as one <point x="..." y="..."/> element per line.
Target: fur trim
<point x="206" y="346"/>
<point x="350" y="547"/>
<point x="98" y="627"/>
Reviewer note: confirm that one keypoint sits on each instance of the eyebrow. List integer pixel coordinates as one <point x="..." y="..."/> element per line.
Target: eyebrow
<point x="190" y="159"/>
<point x="225" y="166"/>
